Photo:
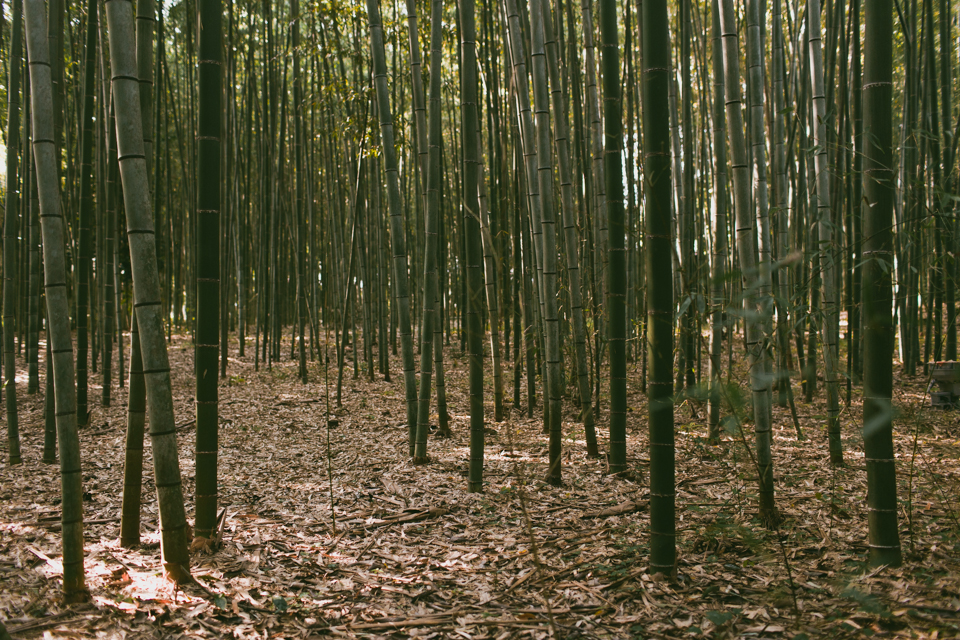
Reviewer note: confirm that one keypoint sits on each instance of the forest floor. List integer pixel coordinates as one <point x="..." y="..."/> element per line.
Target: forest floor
<point x="412" y="553"/>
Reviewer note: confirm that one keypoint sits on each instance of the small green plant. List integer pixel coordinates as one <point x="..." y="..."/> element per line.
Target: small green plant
<point x="722" y="536"/>
<point x="867" y="602"/>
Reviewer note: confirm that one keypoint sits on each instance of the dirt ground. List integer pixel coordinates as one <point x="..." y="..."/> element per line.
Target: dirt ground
<point x="411" y="553"/>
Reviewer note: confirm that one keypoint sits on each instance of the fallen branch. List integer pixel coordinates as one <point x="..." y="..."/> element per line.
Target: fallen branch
<point x="425" y="621"/>
<point x="42" y="623"/>
<point x="624" y="507"/>
<point x="406" y="517"/>
<point x="288" y="403"/>
<point x="622" y="579"/>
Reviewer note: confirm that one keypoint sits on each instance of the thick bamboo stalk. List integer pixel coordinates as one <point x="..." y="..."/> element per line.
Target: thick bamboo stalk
<point x="884" y="540"/>
<point x="469" y="100"/>
<point x="10" y="228"/>
<point x="617" y="260"/>
<point x="659" y="263"/>
<point x="207" y="346"/>
<point x="58" y="310"/>
<point x="146" y="287"/>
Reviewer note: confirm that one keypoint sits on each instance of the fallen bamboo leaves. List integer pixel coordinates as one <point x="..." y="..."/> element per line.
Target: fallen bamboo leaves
<point x="411" y="552"/>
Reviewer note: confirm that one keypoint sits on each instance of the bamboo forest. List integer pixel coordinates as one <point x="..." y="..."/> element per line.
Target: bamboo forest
<point x="480" y="319"/>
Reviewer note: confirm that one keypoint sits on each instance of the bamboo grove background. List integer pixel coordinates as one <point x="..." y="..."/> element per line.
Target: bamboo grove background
<point x="582" y="191"/>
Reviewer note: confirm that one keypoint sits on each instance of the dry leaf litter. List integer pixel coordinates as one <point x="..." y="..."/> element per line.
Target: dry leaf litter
<point x="410" y="553"/>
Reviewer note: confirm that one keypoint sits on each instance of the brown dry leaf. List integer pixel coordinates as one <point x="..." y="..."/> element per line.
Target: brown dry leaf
<point x="412" y="552"/>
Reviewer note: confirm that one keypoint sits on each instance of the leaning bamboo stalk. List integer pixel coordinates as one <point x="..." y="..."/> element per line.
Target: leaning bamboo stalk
<point x="825" y="226"/>
<point x="146" y="289"/>
<point x="86" y="220"/>
<point x="548" y="227"/>
<point x="58" y="308"/>
<point x="431" y="181"/>
<point x="490" y="282"/>
<point x="571" y="244"/>
<point x="596" y="176"/>
<point x="397" y="235"/>
<point x="747" y="249"/>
